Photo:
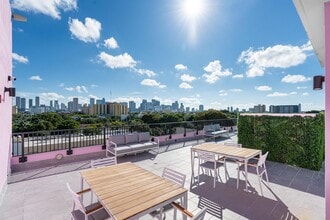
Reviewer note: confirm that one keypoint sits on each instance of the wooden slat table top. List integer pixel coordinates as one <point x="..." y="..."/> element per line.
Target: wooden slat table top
<point x="127" y="189"/>
<point x="229" y="151"/>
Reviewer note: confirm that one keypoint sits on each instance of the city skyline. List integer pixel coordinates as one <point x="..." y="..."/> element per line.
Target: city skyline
<point x="215" y="53"/>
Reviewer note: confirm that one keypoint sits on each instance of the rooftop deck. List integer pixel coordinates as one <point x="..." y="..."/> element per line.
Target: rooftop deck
<point x="294" y="193"/>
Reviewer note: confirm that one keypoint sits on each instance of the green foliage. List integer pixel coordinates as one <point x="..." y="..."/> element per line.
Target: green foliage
<point x="295" y="140"/>
<point x="92" y="130"/>
<point x="210" y="114"/>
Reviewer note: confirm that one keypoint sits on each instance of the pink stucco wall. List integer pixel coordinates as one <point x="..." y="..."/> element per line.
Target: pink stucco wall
<point x="6" y="101"/>
<point x="327" y="107"/>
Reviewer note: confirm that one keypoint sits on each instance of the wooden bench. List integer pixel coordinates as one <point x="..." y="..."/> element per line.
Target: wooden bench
<point x="123" y="144"/>
<point x="103" y="162"/>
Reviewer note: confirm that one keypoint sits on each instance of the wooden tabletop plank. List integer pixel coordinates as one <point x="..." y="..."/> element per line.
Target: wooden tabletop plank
<point x="126" y="189"/>
<point x="143" y="205"/>
<point x="229" y="151"/>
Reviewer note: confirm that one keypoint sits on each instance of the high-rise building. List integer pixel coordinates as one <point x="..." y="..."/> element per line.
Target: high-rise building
<point x="259" y="108"/>
<point x="131" y="106"/>
<point x="56" y="106"/>
<point x="175" y="106"/>
<point x="30" y="103"/>
<point x="201" y="108"/>
<point x="181" y="107"/>
<point x="18" y="102"/>
<point x="51" y="103"/>
<point x="285" y="108"/>
<point x="37" y="101"/>
<point x="143" y="105"/>
<point x="91" y="102"/>
<point x="23" y="104"/>
<point x="75" y="105"/>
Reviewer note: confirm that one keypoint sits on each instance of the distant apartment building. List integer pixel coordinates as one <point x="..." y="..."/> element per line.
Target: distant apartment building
<point x="181" y="107"/>
<point x="23" y="105"/>
<point x="18" y="102"/>
<point x="285" y="108"/>
<point x="259" y="108"/>
<point x="91" y="102"/>
<point x="30" y="103"/>
<point x="75" y="105"/>
<point x="131" y="106"/>
<point x="175" y="106"/>
<point x="201" y="108"/>
<point x="37" y="101"/>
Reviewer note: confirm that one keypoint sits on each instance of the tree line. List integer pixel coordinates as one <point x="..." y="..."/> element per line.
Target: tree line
<point x="60" y="121"/>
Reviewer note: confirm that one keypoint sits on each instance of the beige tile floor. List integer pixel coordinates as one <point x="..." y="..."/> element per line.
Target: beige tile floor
<point x="294" y="193"/>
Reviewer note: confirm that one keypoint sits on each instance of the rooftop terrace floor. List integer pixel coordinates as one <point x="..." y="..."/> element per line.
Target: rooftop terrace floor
<point x="294" y="193"/>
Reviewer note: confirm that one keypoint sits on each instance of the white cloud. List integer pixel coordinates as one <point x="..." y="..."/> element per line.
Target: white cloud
<point x="61" y="85"/>
<point x="277" y="94"/>
<point x="49" y="7"/>
<point x="121" y="61"/>
<point x="180" y="67"/>
<point x="50" y="96"/>
<point x="152" y="83"/>
<point x="302" y="87"/>
<point x="147" y="72"/>
<point x="185" y="85"/>
<point x="94" y="86"/>
<point x="187" y="78"/>
<point x="263" y="88"/>
<point x="191" y="101"/>
<point x="19" y="58"/>
<point x="278" y="56"/>
<point x="305" y="94"/>
<point x="214" y="72"/>
<point x="294" y="78"/>
<point x="238" y="76"/>
<point x="137" y="100"/>
<point x="307" y="47"/>
<point x="223" y="93"/>
<point x="111" y="43"/>
<point x="35" y="78"/>
<point x="88" y="32"/>
<point x="235" y="90"/>
<point x="293" y="93"/>
<point x="81" y="89"/>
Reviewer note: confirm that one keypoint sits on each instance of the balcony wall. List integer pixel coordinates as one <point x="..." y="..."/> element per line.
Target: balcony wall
<point x="5" y="100"/>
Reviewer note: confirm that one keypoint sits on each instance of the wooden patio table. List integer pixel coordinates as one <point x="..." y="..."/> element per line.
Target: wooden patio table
<point x="237" y="153"/>
<point x="128" y="191"/>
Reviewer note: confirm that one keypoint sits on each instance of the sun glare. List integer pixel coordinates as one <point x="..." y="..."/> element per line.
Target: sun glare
<point x="192" y="9"/>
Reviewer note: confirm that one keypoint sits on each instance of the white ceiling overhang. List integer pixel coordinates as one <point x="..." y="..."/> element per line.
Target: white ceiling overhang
<point x="311" y="13"/>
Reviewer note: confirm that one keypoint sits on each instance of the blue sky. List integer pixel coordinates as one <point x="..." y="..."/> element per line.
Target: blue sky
<point x="212" y="52"/>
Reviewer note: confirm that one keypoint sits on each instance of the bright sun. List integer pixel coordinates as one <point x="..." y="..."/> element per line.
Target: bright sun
<point x="192" y="9"/>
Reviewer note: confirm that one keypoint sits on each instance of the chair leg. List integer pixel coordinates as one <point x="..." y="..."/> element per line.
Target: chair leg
<point x="238" y="178"/>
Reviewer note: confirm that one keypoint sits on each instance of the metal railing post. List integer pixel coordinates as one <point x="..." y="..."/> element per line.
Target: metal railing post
<point x="104" y="140"/>
<point x="23" y="158"/>
<point x="69" y="151"/>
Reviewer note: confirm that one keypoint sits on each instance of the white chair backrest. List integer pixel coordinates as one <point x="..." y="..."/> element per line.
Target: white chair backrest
<point x="206" y="156"/>
<point x="174" y="176"/>
<point x="103" y="162"/>
<point x="77" y="201"/>
<point x="232" y="144"/>
<point x="262" y="159"/>
<point x="200" y="215"/>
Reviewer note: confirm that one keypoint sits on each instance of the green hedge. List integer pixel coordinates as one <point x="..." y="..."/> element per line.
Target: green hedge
<point x="295" y="140"/>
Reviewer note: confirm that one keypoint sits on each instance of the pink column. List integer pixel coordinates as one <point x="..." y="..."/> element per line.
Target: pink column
<point x="6" y="101"/>
<point x="327" y="107"/>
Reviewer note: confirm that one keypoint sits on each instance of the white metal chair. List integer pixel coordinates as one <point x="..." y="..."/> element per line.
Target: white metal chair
<point x="176" y="177"/>
<point x="209" y="162"/>
<point x="199" y="216"/>
<point x="103" y="162"/>
<point x="94" y="211"/>
<point x="233" y="144"/>
<point x="257" y="167"/>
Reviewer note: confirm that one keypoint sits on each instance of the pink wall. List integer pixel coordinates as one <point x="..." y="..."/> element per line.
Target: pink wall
<point x="5" y="106"/>
<point x="52" y="155"/>
<point x="327" y="107"/>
